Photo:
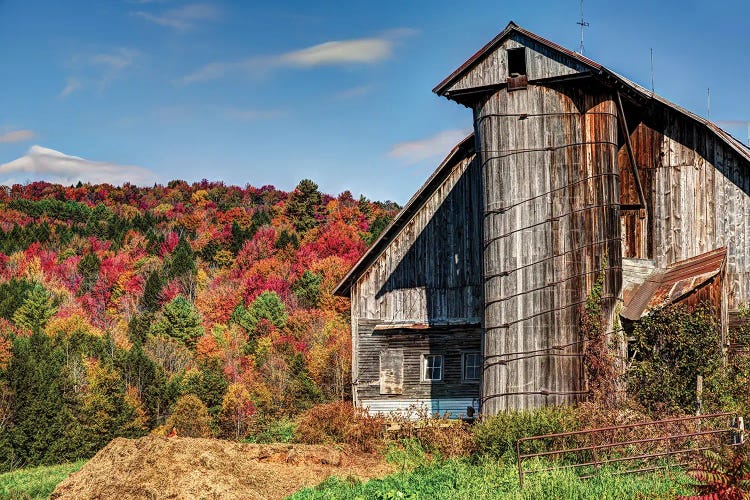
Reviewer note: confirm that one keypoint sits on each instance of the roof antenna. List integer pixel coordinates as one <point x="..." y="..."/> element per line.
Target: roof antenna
<point x="709" y="104"/>
<point x="652" y="72"/>
<point x="583" y="25"/>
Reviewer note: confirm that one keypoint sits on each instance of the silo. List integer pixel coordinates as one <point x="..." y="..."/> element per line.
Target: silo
<point x="551" y="215"/>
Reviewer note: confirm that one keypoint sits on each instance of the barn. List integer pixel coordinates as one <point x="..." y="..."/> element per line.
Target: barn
<point x="473" y="295"/>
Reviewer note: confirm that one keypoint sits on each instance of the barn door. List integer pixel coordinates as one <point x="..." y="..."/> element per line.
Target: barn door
<point x="392" y="371"/>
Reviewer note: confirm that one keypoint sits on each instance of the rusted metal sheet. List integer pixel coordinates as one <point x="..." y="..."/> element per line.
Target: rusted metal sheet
<point x="666" y="286"/>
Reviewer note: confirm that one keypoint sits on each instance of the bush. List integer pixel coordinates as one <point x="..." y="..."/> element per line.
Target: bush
<point x="340" y="422"/>
<point x="190" y="418"/>
<point x="438" y="435"/>
<point x="671" y="347"/>
<point x="496" y="436"/>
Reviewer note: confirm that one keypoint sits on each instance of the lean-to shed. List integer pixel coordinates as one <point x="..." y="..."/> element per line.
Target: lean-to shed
<point x="473" y="295"/>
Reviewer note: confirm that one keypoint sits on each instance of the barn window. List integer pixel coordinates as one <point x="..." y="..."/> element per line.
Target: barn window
<point x="432" y="367"/>
<point x="517" y="62"/>
<point x="472" y="366"/>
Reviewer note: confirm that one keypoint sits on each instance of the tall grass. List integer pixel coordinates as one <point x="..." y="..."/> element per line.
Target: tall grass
<point x="459" y="478"/>
<point x="35" y="483"/>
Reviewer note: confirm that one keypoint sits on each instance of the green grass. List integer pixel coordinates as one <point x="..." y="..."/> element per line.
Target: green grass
<point x="459" y="478"/>
<point x="35" y="483"/>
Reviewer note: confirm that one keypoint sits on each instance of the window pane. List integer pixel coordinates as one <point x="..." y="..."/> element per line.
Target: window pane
<point x="472" y="366"/>
<point x="433" y="367"/>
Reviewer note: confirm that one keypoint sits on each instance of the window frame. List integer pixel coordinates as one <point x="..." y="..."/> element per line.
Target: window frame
<point x="463" y="367"/>
<point x="517" y="55"/>
<point x="423" y="367"/>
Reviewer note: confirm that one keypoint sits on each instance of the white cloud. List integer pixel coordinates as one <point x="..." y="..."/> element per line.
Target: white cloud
<point x="334" y="53"/>
<point x="71" y="86"/>
<point x="53" y="166"/>
<point x="438" y="145"/>
<point x="183" y="18"/>
<point x="16" y="136"/>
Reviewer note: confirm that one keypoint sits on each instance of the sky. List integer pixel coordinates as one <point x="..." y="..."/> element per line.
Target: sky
<point x="259" y="93"/>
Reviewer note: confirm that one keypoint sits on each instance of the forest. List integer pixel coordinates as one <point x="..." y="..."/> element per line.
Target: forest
<point x="124" y="307"/>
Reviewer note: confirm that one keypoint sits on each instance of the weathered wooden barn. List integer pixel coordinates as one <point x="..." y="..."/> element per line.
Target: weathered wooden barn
<point x="473" y="295"/>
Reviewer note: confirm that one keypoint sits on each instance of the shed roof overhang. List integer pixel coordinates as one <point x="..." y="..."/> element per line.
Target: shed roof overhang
<point x="675" y="283"/>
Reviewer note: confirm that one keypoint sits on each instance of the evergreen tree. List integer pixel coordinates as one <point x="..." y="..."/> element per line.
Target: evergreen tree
<point x="151" y="298"/>
<point x="34" y="377"/>
<point x="89" y="267"/>
<point x="183" y="259"/>
<point x="307" y="289"/>
<point x="36" y="310"/>
<point x="304" y="206"/>
<point x="13" y="294"/>
<point x="180" y="321"/>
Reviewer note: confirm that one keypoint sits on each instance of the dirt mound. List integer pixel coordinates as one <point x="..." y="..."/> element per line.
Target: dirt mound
<point x="157" y="467"/>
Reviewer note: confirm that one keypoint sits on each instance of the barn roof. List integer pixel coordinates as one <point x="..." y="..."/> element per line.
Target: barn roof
<point x="466" y="147"/>
<point x="462" y="150"/>
<point x="610" y="77"/>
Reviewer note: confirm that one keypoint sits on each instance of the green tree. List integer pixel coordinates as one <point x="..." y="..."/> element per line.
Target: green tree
<point x="179" y="320"/>
<point x="182" y="262"/>
<point x="303" y="207"/>
<point x="268" y="305"/>
<point x="36" y="310"/>
<point x="13" y="294"/>
<point x="89" y="267"/>
<point x="307" y="289"/>
<point x="151" y="298"/>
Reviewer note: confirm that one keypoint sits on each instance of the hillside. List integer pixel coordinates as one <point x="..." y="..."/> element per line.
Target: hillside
<point x="118" y="302"/>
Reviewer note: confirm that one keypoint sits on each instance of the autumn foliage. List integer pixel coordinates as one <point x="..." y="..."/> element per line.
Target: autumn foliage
<point x="128" y="300"/>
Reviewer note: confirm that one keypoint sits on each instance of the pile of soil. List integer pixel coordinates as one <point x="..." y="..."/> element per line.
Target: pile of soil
<point x="158" y="467"/>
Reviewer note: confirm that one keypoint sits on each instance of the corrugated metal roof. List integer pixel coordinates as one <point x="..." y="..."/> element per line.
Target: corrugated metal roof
<point x="670" y="285"/>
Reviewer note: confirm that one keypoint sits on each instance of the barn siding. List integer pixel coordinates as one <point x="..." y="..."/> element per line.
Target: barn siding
<point x="431" y="271"/>
<point x="451" y="343"/>
<point x="697" y="190"/>
<point x="541" y="62"/>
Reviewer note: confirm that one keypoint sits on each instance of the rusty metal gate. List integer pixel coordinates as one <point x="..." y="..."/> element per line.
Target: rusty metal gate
<point x="639" y="447"/>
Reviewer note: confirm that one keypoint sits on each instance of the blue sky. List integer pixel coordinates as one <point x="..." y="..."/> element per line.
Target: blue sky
<point x="255" y="92"/>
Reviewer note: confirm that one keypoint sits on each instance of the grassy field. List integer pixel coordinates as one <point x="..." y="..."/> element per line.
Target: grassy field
<point x="35" y="483"/>
<point x="459" y="478"/>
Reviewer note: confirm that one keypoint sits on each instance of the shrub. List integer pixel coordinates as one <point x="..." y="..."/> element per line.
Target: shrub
<point x="340" y="422"/>
<point x="671" y="347"/>
<point x="723" y="474"/>
<point x="190" y="418"/>
<point x="438" y="435"/>
<point x="496" y="436"/>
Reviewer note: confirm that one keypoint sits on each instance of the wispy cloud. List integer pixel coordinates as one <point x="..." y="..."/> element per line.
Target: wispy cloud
<point x="98" y="70"/>
<point x="71" y="86"/>
<point x="252" y="114"/>
<point x="53" y="166"/>
<point x="16" y="136"/>
<point x="354" y="92"/>
<point x="412" y="152"/>
<point x="182" y="18"/>
<point x="359" y="51"/>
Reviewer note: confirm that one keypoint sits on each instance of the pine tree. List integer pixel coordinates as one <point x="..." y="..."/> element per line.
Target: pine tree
<point x="36" y="310"/>
<point x="183" y="260"/>
<point x="151" y="299"/>
<point x="180" y="321"/>
<point x="89" y="267"/>
<point x="304" y="206"/>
